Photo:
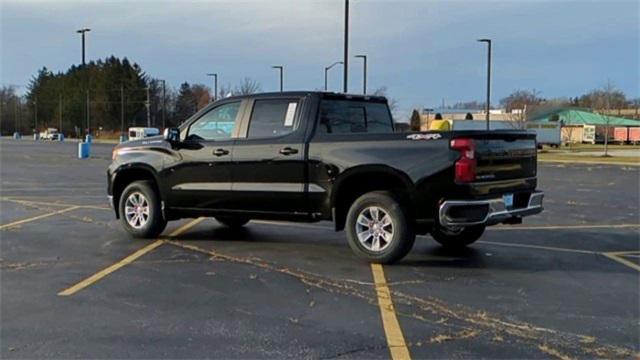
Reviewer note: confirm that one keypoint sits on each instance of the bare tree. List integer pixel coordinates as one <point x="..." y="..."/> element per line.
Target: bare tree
<point x="608" y="92"/>
<point x="247" y="86"/>
<point x="393" y="103"/>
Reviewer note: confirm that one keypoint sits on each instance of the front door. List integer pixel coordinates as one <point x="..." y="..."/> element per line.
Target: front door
<point x="268" y="175"/>
<point x="201" y="178"/>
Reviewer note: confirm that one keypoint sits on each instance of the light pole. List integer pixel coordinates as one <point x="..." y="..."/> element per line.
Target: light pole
<point x="163" y="101"/>
<point x="82" y="32"/>
<point x="346" y="47"/>
<point x="215" y="85"/>
<point x="279" y="67"/>
<point x="488" y="105"/>
<point x="326" y="70"/>
<point x="364" y="75"/>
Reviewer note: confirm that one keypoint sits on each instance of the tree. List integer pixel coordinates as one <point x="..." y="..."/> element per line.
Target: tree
<point x="393" y="103"/>
<point x="247" y="86"/>
<point x="186" y="103"/>
<point x="201" y="95"/>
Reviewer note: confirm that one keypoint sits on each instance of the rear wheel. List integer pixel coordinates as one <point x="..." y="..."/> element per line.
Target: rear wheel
<point x="378" y="229"/>
<point x="140" y="210"/>
<point x="233" y="222"/>
<point x="458" y="237"/>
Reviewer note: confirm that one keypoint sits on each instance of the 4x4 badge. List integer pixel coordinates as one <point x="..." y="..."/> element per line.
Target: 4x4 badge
<point x="424" y="136"/>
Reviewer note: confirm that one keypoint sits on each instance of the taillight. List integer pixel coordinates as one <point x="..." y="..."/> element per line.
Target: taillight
<point x="466" y="164"/>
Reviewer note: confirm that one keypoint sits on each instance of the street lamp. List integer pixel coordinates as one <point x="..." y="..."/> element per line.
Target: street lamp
<point x="346" y="46"/>
<point x="281" y="77"/>
<point x="364" y="76"/>
<point x="215" y="85"/>
<point x="488" y="105"/>
<point x="164" y="97"/>
<point x="82" y="32"/>
<point x="326" y="70"/>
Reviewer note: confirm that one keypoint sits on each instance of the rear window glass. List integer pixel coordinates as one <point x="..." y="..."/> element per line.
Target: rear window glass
<point x="352" y="116"/>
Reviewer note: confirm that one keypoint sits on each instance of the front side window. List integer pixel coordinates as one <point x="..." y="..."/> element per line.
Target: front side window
<point x="271" y="118"/>
<point x="217" y="124"/>
<point x="353" y="116"/>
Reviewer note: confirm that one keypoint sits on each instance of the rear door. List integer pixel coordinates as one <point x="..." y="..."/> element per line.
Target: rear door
<point x="269" y="166"/>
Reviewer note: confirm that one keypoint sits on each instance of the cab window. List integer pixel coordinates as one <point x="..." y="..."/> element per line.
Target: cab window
<point x="272" y="118"/>
<point x="216" y="124"/>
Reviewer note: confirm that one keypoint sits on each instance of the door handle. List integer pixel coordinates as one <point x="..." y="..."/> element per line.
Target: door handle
<point x="220" y="152"/>
<point x="288" y="151"/>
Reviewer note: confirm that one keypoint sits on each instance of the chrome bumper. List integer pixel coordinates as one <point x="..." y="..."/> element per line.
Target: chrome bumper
<point x="487" y="212"/>
<point x="110" y="197"/>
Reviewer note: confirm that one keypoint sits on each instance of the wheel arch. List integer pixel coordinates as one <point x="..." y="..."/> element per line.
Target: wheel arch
<point x="357" y="181"/>
<point x="128" y="174"/>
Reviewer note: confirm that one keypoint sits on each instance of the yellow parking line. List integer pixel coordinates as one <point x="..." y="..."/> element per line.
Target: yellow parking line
<point x="566" y="227"/>
<point x="127" y="260"/>
<point x="23" y="221"/>
<point x="615" y="256"/>
<point x="580" y="251"/>
<point x="392" y="330"/>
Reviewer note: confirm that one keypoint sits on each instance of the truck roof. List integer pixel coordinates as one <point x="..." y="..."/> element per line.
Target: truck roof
<point x="324" y="94"/>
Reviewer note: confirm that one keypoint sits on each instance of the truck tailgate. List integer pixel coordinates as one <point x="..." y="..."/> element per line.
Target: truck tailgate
<point x="504" y="155"/>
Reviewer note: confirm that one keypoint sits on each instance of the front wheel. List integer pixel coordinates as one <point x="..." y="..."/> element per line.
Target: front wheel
<point x="378" y="228"/>
<point x="456" y="238"/>
<point x="140" y="210"/>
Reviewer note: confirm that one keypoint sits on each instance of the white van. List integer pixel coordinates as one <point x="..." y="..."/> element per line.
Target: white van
<point x="137" y="133"/>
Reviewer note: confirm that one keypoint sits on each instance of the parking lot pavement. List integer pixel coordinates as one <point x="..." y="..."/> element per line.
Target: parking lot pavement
<point x="74" y="285"/>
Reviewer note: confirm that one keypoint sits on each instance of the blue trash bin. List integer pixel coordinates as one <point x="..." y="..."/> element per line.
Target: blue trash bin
<point x="123" y="138"/>
<point x="87" y="139"/>
<point x="84" y="150"/>
<point x="61" y="137"/>
<point x="16" y="135"/>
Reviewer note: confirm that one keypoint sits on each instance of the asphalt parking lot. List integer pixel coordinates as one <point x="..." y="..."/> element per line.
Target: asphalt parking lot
<point x="565" y="284"/>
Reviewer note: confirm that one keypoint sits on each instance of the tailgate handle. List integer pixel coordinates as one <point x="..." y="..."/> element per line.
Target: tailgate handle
<point x="220" y="152"/>
<point x="288" y="151"/>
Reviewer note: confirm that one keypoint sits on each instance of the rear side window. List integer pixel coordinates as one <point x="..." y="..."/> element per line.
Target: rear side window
<point x="352" y="116"/>
<point x="271" y="118"/>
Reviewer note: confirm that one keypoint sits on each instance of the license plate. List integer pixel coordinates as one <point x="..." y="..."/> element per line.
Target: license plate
<point x="508" y="200"/>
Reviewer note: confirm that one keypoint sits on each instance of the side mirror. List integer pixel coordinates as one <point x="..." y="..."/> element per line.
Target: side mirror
<point x="172" y="135"/>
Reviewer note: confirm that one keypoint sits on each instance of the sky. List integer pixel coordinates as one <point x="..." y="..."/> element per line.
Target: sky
<point x="422" y="51"/>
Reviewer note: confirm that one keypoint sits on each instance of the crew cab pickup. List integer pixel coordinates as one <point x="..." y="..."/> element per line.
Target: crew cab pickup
<point x="314" y="156"/>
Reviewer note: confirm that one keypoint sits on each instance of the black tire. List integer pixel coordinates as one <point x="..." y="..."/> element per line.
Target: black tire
<point x="457" y="239"/>
<point x="402" y="235"/>
<point x="155" y="224"/>
<point x="233" y="222"/>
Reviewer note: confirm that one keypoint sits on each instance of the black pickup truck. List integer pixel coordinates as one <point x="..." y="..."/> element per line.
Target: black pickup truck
<point x="313" y="156"/>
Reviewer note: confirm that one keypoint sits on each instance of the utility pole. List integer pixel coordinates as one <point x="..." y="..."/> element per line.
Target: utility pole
<point x="88" y="114"/>
<point x="281" y="68"/>
<point x="326" y="70"/>
<point x="35" y="110"/>
<point x="121" y="109"/>
<point x="346" y="47"/>
<point x="148" y="104"/>
<point x="60" y="113"/>
<point x="364" y="75"/>
<point x="164" y="98"/>
<point x="488" y="105"/>
<point x="215" y="86"/>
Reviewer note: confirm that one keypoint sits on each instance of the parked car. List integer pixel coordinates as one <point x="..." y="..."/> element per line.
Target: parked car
<point x="137" y="133"/>
<point x="311" y="156"/>
<point x="49" y="134"/>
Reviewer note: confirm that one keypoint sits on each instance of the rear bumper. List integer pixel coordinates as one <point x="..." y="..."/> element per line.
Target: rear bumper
<point x="454" y="213"/>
